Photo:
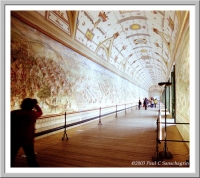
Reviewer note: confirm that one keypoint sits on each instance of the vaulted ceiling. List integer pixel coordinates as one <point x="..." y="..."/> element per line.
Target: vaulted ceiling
<point x="136" y="44"/>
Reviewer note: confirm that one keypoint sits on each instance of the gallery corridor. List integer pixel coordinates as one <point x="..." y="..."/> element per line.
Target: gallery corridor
<point x="128" y="140"/>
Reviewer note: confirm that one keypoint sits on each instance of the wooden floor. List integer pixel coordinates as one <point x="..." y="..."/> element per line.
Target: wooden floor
<point x="126" y="141"/>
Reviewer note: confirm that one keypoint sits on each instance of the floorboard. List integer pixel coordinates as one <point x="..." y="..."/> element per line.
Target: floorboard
<point x="126" y="141"/>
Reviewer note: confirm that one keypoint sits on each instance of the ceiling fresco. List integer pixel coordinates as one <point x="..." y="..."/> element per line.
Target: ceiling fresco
<point x="139" y="44"/>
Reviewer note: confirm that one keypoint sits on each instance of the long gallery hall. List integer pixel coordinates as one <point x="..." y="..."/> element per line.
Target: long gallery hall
<point x="111" y="88"/>
<point x="128" y="140"/>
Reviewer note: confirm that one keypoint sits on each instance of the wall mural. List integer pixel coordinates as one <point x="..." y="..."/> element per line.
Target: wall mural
<point x="183" y="86"/>
<point x="61" y="79"/>
<point x="183" y="77"/>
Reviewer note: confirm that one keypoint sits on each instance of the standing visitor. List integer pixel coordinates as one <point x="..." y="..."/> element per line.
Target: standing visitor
<point x="155" y="102"/>
<point x="152" y="103"/>
<point x="23" y="130"/>
<point x="145" y="103"/>
<point x="139" y="104"/>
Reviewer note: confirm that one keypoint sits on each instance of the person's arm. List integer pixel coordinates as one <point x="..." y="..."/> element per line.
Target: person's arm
<point x="38" y="110"/>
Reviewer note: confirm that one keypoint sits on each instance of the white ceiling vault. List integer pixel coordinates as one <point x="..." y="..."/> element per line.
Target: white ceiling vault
<point x="140" y="44"/>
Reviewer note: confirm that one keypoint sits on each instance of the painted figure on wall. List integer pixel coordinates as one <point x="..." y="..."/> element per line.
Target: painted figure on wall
<point x="59" y="77"/>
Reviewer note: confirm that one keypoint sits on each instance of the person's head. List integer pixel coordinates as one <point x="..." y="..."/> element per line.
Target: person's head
<point x="28" y="104"/>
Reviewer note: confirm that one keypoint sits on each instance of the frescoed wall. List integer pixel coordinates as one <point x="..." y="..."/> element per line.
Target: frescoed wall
<point x="61" y="79"/>
<point x="183" y="84"/>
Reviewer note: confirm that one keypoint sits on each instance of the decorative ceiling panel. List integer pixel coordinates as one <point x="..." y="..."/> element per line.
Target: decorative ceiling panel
<point x="60" y="19"/>
<point x="131" y="41"/>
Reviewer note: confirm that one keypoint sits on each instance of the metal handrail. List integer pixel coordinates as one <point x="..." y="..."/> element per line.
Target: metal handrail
<point x="159" y="130"/>
<point x="82" y="121"/>
<point x="157" y="156"/>
<point x="174" y="123"/>
<point x="75" y="112"/>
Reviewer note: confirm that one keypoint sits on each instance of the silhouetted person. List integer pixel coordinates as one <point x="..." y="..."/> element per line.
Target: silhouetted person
<point x="23" y="130"/>
<point x="152" y="103"/>
<point x="139" y="104"/>
<point x="155" y="102"/>
<point x="145" y="103"/>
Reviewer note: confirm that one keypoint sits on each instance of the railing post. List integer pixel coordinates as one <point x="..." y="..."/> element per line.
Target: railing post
<point x="165" y="153"/>
<point x="65" y="133"/>
<point x="159" y="126"/>
<point x="116" y="112"/>
<point x="100" y="117"/>
<point x="156" y="156"/>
